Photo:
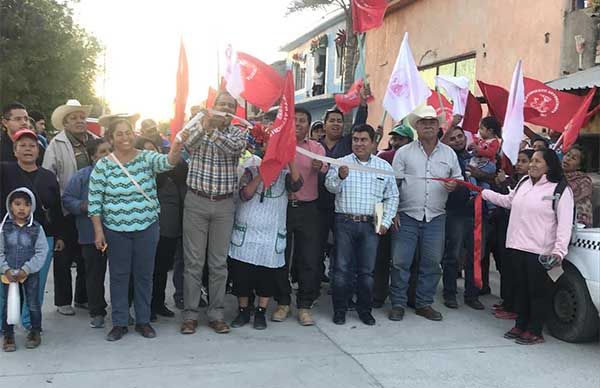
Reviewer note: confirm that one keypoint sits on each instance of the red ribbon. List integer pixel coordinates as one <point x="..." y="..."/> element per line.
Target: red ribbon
<point x="477" y="227"/>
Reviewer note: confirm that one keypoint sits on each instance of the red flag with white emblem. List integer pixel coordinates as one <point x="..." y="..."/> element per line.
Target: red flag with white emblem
<point x="281" y="148"/>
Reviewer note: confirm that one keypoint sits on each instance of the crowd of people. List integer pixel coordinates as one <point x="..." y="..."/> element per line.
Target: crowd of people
<point x="388" y="224"/>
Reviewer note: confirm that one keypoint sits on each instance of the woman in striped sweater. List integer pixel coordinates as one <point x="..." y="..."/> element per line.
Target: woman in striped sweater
<point x="124" y="208"/>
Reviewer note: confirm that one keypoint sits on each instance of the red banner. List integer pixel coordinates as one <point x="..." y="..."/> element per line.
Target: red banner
<point x="497" y="99"/>
<point x="367" y="14"/>
<point x="262" y="83"/>
<point x="281" y="148"/>
<point x="571" y="132"/>
<point x="477" y="228"/>
<point x="555" y="108"/>
<point x="181" y="94"/>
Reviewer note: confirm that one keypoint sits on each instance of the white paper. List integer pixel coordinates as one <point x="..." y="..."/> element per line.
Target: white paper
<point x="13" y="304"/>
<point x="378" y="216"/>
<point x="555" y="273"/>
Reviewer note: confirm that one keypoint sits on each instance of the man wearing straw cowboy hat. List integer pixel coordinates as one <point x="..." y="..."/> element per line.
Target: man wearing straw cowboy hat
<point x="66" y="154"/>
<point x="421" y="213"/>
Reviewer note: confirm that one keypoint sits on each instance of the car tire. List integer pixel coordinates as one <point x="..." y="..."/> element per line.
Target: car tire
<point x="574" y="317"/>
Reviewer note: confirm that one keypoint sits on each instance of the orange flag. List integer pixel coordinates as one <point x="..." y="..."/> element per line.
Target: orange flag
<point x="181" y="94"/>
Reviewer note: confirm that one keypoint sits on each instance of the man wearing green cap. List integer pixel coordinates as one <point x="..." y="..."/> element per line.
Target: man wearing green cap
<point x="400" y="135"/>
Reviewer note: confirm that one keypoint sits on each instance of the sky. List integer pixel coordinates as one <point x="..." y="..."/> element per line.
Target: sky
<point x="141" y="40"/>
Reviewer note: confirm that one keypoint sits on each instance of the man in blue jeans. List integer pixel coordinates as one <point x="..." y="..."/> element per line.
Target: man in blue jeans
<point x="459" y="231"/>
<point x="356" y="239"/>
<point x="422" y="213"/>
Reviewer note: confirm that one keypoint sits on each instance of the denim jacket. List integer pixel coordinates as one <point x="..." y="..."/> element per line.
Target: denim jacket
<point x="22" y="247"/>
<point x="75" y="193"/>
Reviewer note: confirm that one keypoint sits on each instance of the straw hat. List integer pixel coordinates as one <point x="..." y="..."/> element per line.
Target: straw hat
<point x="423" y="112"/>
<point x="59" y="114"/>
<point x="106" y="120"/>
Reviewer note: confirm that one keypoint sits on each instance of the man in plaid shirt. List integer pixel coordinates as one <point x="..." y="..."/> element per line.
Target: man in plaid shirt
<point x="215" y="147"/>
<point x="356" y="240"/>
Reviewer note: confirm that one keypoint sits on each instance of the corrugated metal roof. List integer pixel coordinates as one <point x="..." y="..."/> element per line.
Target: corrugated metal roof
<point x="581" y="80"/>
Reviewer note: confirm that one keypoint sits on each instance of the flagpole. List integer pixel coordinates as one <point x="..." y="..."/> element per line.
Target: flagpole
<point x="558" y="142"/>
<point x="383" y="117"/>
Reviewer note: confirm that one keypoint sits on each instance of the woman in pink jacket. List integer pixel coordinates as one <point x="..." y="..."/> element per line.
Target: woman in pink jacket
<point x="535" y="228"/>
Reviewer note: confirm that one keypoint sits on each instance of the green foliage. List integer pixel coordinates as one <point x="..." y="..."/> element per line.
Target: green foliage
<point x="301" y="5"/>
<point x="45" y="57"/>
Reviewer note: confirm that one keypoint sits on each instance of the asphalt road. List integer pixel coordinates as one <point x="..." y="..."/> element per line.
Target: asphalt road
<point x="466" y="349"/>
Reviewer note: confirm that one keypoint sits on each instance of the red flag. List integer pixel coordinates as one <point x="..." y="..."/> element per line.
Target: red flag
<point x="281" y="148"/>
<point x="367" y="14"/>
<point x="571" y="132"/>
<point x="181" y="94"/>
<point x="496" y="98"/>
<point x="351" y="99"/>
<point x="472" y="115"/>
<point x="434" y="101"/>
<point x="555" y="108"/>
<point x="262" y="83"/>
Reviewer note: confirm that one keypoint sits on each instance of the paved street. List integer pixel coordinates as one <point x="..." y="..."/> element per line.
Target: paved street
<point x="465" y="350"/>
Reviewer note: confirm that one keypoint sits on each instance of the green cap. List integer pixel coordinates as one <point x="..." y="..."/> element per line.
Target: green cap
<point x="403" y="130"/>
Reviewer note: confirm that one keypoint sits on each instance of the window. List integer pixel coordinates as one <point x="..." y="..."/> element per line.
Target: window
<point x="463" y="66"/>
<point x="340" y="52"/>
<point x="299" y="76"/>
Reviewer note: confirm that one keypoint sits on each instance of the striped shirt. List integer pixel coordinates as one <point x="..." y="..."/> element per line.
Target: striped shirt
<point x="214" y="159"/>
<point x="115" y="198"/>
<point x="360" y="191"/>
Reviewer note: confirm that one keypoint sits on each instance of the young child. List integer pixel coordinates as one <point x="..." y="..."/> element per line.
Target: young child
<point x="485" y="149"/>
<point x="75" y="201"/>
<point x="23" y="249"/>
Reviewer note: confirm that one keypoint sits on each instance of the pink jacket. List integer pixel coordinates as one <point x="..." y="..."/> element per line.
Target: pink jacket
<point x="533" y="225"/>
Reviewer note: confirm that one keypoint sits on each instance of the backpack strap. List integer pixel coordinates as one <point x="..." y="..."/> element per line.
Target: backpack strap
<point x="524" y="179"/>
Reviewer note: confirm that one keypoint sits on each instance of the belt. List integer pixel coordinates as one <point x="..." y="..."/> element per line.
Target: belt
<point x="211" y="197"/>
<point x="296" y="203"/>
<point x="357" y="218"/>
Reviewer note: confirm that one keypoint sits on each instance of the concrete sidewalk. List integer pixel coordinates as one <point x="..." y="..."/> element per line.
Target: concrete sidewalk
<point x="466" y="349"/>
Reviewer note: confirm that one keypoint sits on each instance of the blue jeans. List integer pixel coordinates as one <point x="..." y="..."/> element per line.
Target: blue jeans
<point x="131" y="253"/>
<point x="356" y="249"/>
<point x="430" y="236"/>
<point x="43" y="275"/>
<point x="30" y="289"/>
<point x="459" y="235"/>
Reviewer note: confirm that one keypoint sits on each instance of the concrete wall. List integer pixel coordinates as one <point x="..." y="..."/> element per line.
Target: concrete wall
<point x="498" y="32"/>
<point x="578" y="23"/>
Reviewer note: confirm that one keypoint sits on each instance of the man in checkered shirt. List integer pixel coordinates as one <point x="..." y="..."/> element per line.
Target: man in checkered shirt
<point x="356" y="240"/>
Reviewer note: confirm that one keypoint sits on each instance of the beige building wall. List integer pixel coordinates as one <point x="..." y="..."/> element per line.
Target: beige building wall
<point x="498" y="32"/>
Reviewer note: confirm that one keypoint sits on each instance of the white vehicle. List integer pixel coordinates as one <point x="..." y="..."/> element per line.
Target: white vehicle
<point x="576" y="300"/>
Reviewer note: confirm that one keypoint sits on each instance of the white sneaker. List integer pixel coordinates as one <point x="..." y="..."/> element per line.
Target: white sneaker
<point x="66" y="310"/>
<point x="97" y="322"/>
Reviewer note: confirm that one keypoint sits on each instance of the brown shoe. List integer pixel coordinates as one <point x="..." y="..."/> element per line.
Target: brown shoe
<point x="220" y="327"/>
<point x="429" y="313"/>
<point x="305" y="318"/>
<point x="145" y="330"/>
<point x="9" y="343"/>
<point x="281" y="313"/>
<point x="188" y="326"/>
<point x="33" y="339"/>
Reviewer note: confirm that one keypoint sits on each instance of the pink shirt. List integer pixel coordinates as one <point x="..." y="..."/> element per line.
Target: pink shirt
<point x="309" y="191"/>
<point x="533" y="225"/>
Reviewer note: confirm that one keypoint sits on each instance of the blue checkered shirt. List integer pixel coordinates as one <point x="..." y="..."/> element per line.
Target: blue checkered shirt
<point x="360" y="191"/>
<point x="214" y="159"/>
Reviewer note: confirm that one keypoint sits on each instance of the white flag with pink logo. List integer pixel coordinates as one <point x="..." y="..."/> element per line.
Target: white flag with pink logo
<point x="233" y="73"/>
<point x="512" y="132"/>
<point x="406" y="89"/>
<point x="457" y="88"/>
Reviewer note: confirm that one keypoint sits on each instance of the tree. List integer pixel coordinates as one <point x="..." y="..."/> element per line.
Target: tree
<point x="350" y="52"/>
<point x="45" y="57"/>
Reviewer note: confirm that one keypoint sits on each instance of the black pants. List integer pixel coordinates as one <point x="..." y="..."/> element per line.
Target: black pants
<point x="63" y="287"/>
<point x="534" y="292"/>
<point x="163" y="261"/>
<point x="95" y="272"/>
<point x="381" y="288"/>
<point x="326" y="225"/>
<point x="304" y="243"/>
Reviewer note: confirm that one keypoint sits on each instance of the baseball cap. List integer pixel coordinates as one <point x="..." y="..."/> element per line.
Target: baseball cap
<point x="24" y="132"/>
<point x="402" y="130"/>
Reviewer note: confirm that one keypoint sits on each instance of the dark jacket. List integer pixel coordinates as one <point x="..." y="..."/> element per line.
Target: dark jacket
<point x="22" y="247"/>
<point x="6" y="147"/>
<point x="46" y="191"/>
<point x="75" y="193"/>
<point x="459" y="201"/>
<point x="171" y="189"/>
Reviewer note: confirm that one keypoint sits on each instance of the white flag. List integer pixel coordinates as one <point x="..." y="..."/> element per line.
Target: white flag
<point x="457" y="89"/>
<point x="512" y="132"/>
<point x="233" y="73"/>
<point x="406" y="89"/>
